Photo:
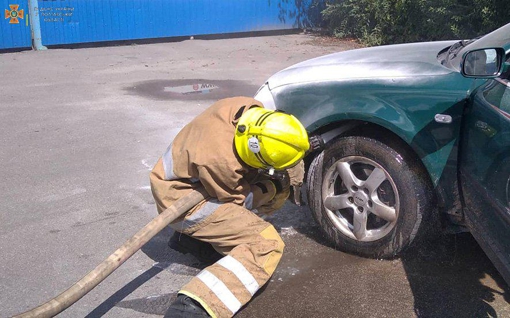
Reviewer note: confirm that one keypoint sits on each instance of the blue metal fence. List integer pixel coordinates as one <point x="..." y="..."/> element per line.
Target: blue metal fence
<point x="15" y="24"/>
<point x="81" y="21"/>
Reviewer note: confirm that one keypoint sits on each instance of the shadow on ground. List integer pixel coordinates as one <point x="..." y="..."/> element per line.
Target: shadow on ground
<point x="165" y="259"/>
<point x="449" y="276"/>
<point x="452" y="277"/>
<point x="446" y="277"/>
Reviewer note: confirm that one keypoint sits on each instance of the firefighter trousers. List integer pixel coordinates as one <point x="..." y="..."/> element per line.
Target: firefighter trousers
<point x="252" y="248"/>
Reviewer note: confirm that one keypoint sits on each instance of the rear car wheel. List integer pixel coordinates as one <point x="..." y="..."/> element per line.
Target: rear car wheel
<point x="368" y="198"/>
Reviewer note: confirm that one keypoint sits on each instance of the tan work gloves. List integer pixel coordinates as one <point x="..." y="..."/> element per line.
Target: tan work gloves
<point x="296" y="176"/>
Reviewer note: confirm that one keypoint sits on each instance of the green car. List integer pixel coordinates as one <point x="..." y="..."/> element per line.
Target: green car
<point x="411" y="139"/>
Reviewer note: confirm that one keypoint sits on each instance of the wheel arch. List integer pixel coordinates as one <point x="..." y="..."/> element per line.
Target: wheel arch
<point x="331" y="132"/>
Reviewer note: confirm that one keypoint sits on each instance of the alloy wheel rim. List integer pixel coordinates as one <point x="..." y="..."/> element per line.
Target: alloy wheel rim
<point x="360" y="198"/>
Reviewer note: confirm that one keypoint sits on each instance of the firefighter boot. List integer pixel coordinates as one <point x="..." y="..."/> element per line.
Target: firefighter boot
<point x="202" y="251"/>
<point x="185" y="307"/>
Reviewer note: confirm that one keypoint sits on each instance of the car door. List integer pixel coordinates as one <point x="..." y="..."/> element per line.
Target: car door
<point x="485" y="170"/>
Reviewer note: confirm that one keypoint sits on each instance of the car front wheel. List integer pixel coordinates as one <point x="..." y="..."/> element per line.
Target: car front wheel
<point x="369" y="198"/>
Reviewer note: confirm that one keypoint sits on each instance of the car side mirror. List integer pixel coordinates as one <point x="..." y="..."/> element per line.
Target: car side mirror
<point x="483" y="63"/>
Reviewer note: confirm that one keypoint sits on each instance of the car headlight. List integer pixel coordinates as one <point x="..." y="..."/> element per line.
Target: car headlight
<point x="264" y="96"/>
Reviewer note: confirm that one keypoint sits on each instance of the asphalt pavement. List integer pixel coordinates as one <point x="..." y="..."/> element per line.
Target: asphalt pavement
<point x="80" y="130"/>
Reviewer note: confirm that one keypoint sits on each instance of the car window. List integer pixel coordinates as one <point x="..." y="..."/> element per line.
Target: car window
<point x="498" y="94"/>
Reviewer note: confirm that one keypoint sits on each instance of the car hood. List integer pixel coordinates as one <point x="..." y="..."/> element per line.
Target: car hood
<point x="391" y="61"/>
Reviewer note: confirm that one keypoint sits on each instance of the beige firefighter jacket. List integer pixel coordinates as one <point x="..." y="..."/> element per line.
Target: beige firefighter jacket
<point x="204" y="151"/>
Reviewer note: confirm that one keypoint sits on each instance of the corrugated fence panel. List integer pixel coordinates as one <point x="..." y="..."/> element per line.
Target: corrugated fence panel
<point x="15" y="24"/>
<point x="79" y="21"/>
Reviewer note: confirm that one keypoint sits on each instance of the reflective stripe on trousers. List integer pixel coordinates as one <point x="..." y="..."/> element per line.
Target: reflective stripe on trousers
<point x="253" y="249"/>
<point x="221" y="290"/>
<point x="206" y="210"/>
<point x="198" y="216"/>
<point x="241" y="272"/>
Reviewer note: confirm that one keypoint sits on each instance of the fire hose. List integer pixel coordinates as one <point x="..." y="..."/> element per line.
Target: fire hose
<point x="123" y="253"/>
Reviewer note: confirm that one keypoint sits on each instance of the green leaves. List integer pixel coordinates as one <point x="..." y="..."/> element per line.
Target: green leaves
<point x="377" y="22"/>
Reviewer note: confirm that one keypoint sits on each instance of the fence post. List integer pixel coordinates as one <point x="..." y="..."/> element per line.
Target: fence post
<point x="35" y="25"/>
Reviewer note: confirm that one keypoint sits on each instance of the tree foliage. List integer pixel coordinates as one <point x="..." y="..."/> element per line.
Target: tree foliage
<point x="377" y="22"/>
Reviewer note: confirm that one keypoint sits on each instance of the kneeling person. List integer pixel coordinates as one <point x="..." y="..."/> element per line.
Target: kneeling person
<point x="240" y="153"/>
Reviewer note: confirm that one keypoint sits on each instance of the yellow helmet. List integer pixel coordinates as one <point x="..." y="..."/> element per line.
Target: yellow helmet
<point x="270" y="139"/>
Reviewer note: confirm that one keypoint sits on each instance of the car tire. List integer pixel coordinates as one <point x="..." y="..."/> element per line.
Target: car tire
<point x="369" y="198"/>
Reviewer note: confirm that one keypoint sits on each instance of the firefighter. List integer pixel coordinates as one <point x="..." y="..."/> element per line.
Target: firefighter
<point x="246" y="157"/>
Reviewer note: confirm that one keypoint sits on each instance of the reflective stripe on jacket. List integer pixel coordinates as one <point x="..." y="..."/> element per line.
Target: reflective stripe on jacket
<point x="204" y="150"/>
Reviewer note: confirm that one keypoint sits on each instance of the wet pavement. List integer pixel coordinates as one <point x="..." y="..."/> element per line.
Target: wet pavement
<point x="191" y="89"/>
<point x="81" y="129"/>
<point x="448" y="277"/>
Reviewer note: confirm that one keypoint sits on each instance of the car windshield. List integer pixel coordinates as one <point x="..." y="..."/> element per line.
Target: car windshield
<point x="497" y="38"/>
